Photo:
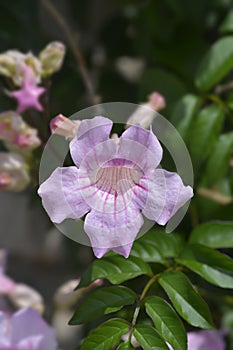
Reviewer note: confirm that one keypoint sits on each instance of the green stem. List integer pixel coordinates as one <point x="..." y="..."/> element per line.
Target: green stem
<point x="137" y="310"/>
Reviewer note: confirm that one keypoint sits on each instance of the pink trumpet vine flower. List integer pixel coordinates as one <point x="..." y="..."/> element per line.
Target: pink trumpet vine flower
<point x="115" y="183"/>
<point x="28" y="96"/>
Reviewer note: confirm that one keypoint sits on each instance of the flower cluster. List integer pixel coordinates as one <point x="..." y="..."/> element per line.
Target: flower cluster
<point x="25" y="74"/>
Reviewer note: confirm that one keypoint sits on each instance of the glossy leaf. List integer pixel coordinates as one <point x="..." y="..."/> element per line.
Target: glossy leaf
<point x="106" y="335"/>
<point x="148" y="251"/>
<point x="216" y="64"/>
<point x="185" y="299"/>
<point x="213" y="266"/>
<point x="215" y="234"/>
<point x="98" y="303"/>
<point x="166" y="244"/>
<point x="184" y="113"/>
<point x="116" y="269"/>
<point x="219" y="160"/>
<point x="167" y="322"/>
<point x="149" y="338"/>
<point x="204" y="133"/>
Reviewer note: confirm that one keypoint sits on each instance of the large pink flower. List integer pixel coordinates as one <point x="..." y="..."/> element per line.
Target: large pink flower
<point x="115" y="182"/>
<point x="26" y="330"/>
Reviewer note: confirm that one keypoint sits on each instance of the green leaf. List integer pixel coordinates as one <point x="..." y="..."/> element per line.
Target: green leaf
<point x="227" y="24"/>
<point x="213" y="266"/>
<point x="218" y="163"/>
<point x="184" y="113"/>
<point x="215" y="234"/>
<point x="98" y="303"/>
<point x="148" y="338"/>
<point x="116" y="269"/>
<point x="125" y="346"/>
<point x="185" y="299"/>
<point x="204" y="133"/>
<point x="147" y="251"/>
<point x="216" y="64"/>
<point x="106" y="335"/>
<point x="167" y="322"/>
<point x="168" y="245"/>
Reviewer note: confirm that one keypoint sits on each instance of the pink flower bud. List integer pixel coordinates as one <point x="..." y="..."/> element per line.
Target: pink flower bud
<point x="156" y="101"/>
<point x="145" y="113"/>
<point x="61" y="125"/>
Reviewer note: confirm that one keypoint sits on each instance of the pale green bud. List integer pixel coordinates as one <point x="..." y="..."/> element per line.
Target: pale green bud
<point x="52" y="58"/>
<point x="7" y="65"/>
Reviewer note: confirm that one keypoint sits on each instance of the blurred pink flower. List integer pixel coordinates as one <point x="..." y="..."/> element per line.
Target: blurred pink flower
<point x="26" y="330"/>
<point x="16" y="134"/>
<point x="13" y="172"/>
<point x="28" y="95"/>
<point x="205" y="340"/>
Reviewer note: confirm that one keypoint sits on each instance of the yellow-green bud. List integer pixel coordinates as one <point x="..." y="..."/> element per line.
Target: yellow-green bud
<point x="52" y="58"/>
<point x="7" y="65"/>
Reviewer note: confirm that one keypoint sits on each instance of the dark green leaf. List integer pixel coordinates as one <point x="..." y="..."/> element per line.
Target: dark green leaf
<point x="147" y="251"/>
<point x="185" y="299"/>
<point x="148" y="338"/>
<point x="216" y="64"/>
<point x="219" y="160"/>
<point x="184" y="113"/>
<point x="116" y="269"/>
<point x="103" y="301"/>
<point x="167" y="322"/>
<point x="98" y="303"/>
<point x="106" y="335"/>
<point x="213" y="266"/>
<point x="167" y="245"/>
<point x="204" y="133"/>
<point x="215" y="234"/>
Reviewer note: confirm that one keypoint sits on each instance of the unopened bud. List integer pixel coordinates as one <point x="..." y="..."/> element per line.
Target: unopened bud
<point x="20" y="60"/>
<point x="7" y="65"/>
<point x="156" y="101"/>
<point x="61" y="125"/>
<point x="146" y="112"/>
<point x="52" y="58"/>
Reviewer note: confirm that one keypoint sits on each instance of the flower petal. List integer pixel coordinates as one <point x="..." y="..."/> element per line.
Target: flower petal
<point x="59" y="196"/>
<point x="26" y="323"/>
<point x="90" y="133"/>
<point x="148" y="142"/>
<point x="115" y="231"/>
<point x="166" y="194"/>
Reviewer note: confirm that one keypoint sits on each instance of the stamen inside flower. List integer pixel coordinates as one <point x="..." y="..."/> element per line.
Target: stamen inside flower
<point x="117" y="179"/>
